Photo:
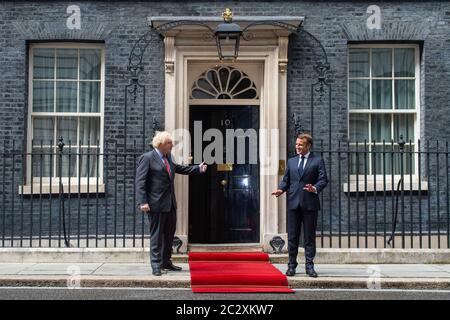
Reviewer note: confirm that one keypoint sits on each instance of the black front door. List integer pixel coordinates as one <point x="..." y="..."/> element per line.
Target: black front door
<point x="224" y="202"/>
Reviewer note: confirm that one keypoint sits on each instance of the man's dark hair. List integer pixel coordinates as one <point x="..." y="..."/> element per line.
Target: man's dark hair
<point x="306" y="136"/>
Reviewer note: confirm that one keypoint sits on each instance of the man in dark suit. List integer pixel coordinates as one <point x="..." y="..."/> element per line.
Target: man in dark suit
<point x="155" y="194"/>
<point x="304" y="179"/>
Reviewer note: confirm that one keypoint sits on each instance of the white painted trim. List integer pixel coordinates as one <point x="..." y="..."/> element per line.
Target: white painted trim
<point x="100" y="115"/>
<point x="73" y="188"/>
<point x="391" y="111"/>
<point x="379" y="186"/>
<point x="230" y="102"/>
<point x="272" y="105"/>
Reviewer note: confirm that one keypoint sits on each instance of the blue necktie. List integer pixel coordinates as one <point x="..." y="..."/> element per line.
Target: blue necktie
<point x="300" y="167"/>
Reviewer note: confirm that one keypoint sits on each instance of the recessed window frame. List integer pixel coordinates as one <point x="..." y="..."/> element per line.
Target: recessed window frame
<point x="83" y="182"/>
<point x="392" y="111"/>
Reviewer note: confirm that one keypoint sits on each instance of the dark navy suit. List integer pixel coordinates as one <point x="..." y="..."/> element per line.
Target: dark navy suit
<point x="303" y="206"/>
<point x="155" y="187"/>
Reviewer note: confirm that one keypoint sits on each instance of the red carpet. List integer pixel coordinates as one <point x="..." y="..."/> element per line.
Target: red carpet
<point x="235" y="272"/>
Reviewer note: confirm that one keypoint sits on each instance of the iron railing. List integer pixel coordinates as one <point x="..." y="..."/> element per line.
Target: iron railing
<point x="379" y="195"/>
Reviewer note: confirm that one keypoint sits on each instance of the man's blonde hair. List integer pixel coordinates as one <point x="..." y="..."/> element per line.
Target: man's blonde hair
<point x="160" y="138"/>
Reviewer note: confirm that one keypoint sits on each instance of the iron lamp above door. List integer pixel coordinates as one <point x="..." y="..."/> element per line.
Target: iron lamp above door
<point x="227" y="36"/>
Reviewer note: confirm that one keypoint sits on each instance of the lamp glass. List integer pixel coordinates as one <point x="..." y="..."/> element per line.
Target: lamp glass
<point x="228" y="45"/>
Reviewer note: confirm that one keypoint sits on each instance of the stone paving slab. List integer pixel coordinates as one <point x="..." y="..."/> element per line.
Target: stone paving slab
<point x="412" y="271"/>
<point x="141" y="255"/>
<point x="444" y="267"/>
<point x="332" y="270"/>
<point x="121" y="269"/>
<point x="14" y="268"/>
<point x="143" y="269"/>
<point x="60" y="268"/>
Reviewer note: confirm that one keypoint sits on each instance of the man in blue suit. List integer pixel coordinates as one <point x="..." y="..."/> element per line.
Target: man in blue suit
<point x="304" y="179"/>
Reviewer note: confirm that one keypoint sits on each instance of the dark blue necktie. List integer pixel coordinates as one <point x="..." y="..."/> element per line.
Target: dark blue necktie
<point x="300" y="167"/>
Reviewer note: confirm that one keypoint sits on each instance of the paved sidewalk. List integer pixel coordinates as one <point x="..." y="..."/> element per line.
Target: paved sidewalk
<point x="395" y="276"/>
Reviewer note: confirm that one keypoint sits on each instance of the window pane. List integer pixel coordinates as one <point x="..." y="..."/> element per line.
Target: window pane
<point x="67" y="128"/>
<point x="359" y="127"/>
<point x="359" y="62"/>
<point x="381" y="127"/>
<point x="68" y="164"/>
<point x="89" y="131"/>
<point x="248" y="94"/>
<point x="245" y="83"/>
<point x="404" y="62"/>
<point x="359" y="94"/>
<point x="408" y="161"/>
<point x="235" y="76"/>
<point x="381" y="94"/>
<point x="205" y="85"/>
<point x="89" y="97"/>
<point x="43" y="96"/>
<point x="42" y="162"/>
<point x="43" y="63"/>
<point x="382" y="161"/>
<point x="223" y="74"/>
<point x="359" y="159"/>
<point x="88" y="162"/>
<point x="405" y="94"/>
<point x="404" y="124"/>
<point x="43" y="130"/>
<point x="199" y="94"/>
<point x="213" y="78"/>
<point x="90" y="64"/>
<point x="381" y="63"/>
<point x="66" y="96"/>
<point x="66" y="63"/>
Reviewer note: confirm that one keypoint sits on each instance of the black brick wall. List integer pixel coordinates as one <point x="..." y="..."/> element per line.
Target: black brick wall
<point x="119" y="24"/>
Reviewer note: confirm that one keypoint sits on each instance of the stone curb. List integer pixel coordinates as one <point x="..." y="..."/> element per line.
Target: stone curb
<point x="384" y="283"/>
<point x="95" y="281"/>
<point x="184" y="282"/>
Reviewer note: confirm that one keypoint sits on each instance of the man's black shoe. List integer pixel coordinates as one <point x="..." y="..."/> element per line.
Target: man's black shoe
<point x="170" y="266"/>
<point x="310" y="272"/>
<point x="290" y="272"/>
<point x="157" y="272"/>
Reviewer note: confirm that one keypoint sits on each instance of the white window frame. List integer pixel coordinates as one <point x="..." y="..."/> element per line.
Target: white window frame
<point x="379" y="177"/>
<point x="76" y="184"/>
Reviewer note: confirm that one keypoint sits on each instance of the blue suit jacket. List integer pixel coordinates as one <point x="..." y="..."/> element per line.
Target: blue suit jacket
<point x="153" y="183"/>
<point x="314" y="173"/>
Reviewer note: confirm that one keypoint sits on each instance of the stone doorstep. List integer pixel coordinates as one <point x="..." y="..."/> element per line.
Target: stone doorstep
<point x="184" y="282"/>
<point x="140" y="255"/>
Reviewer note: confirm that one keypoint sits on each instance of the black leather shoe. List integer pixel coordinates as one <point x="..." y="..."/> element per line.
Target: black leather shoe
<point x="170" y="266"/>
<point x="157" y="272"/>
<point x="310" y="272"/>
<point x="290" y="272"/>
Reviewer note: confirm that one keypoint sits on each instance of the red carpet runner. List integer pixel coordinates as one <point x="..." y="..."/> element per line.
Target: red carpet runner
<point x="235" y="272"/>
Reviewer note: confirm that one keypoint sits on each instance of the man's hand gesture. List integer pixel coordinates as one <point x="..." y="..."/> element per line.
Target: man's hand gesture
<point x="310" y="188"/>
<point x="277" y="193"/>
<point x="203" y="166"/>
<point x="145" y="208"/>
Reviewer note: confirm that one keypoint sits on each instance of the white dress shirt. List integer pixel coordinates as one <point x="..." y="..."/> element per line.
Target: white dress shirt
<point x="306" y="156"/>
<point x="161" y="156"/>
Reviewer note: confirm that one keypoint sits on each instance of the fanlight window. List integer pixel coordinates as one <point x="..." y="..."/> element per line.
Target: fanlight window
<point x="224" y="83"/>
